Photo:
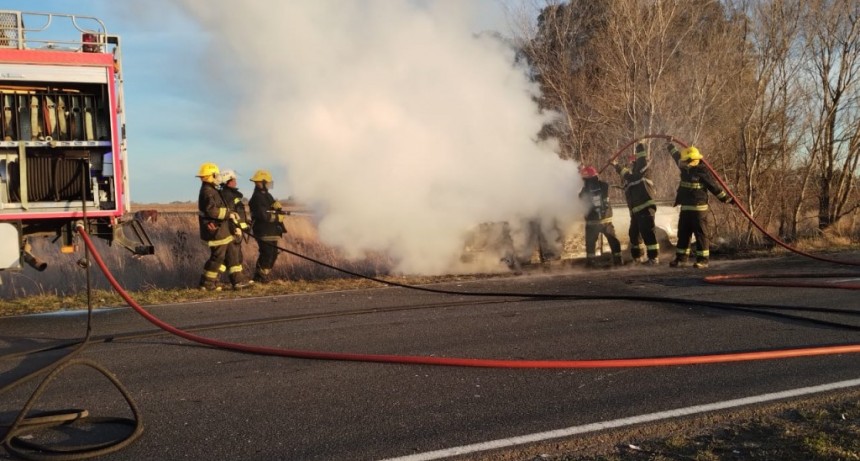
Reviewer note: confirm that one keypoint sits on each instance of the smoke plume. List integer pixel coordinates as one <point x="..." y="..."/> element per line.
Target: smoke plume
<point x="398" y="123"/>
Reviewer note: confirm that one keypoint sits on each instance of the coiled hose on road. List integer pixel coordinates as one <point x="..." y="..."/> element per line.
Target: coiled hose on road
<point x="23" y="447"/>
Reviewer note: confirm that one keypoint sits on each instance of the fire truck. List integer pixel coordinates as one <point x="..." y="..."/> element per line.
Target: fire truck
<point x="63" y="153"/>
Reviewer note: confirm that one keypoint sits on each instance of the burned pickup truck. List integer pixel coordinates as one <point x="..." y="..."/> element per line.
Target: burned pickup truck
<point x="519" y="244"/>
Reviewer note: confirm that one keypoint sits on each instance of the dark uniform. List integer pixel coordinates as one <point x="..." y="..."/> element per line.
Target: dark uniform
<point x="267" y="223"/>
<point x="234" y="258"/>
<point x="696" y="183"/>
<point x="639" y="194"/>
<point x="215" y="231"/>
<point x="598" y="220"/>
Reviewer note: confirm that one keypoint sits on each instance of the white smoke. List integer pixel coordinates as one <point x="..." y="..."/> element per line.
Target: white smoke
<point x="392" y="118"/>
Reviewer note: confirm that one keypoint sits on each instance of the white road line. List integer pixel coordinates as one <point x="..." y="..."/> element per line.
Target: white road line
<point x="575" y="430"/>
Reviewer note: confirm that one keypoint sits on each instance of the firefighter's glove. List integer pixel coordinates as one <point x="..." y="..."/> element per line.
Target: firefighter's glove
<point x="237" y="232"/>
<point x="280" y="218"/>
<point x="234" y="217"/>
<point x="276" y="205"/>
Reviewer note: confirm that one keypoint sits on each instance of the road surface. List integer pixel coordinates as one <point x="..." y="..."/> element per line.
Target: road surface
<point x="198" y="402"/>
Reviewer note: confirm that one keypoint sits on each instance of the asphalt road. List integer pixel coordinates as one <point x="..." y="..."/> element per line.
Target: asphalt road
<point x="198" y="402"/>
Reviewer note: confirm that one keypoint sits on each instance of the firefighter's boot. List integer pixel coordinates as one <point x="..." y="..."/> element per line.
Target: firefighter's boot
<point x="679" y="261"/>
<point x="617" y="260"/>
<point x="263" y="275"/>
<point x="209" y="284"/>
<point x="239" y="281"/>
<point x="701" y="263"/>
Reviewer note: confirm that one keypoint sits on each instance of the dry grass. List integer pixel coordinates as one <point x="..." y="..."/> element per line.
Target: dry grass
<point x="820" y="428"/>
<point x="177" y="262"/>
<point x="172" y="274"/>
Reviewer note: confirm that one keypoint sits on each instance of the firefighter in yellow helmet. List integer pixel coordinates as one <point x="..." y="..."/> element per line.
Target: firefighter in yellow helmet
<point x="213" y="217"/>
<point x="267" y="218"/>
<point x="696" y="183"/>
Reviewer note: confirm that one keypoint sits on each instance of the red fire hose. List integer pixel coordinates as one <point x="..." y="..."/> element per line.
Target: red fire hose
<point x="465" y="362"/>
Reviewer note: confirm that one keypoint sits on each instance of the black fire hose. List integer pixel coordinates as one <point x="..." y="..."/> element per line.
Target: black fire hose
<point x="25" y="424"/>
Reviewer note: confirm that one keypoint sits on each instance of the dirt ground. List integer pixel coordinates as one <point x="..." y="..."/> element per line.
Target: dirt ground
<point x="821" y="427"/>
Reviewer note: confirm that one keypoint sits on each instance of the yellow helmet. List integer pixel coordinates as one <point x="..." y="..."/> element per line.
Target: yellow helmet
<point x="691" y="155"/>
<point x="262" y="176"/>
<point x="208" y="169"/>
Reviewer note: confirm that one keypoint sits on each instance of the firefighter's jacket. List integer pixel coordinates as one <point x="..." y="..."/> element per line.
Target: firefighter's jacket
<point x="636" y="179"/>
<point x="212" y="214"/>
<point x="595" y="195"/>
<point x="696" y="182"/>
<point x="266" y="215"/>
<point x="233" y="199"/>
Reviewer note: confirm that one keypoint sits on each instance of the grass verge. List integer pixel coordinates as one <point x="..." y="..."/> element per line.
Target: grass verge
<point x="817" y="428"/>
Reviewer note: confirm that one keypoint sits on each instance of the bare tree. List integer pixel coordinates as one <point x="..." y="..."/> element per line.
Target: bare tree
<point x="832" y="33"/>
<point x="768" y="136"/>
<point x="562" y="65"/>
<point x="668" y="67"/>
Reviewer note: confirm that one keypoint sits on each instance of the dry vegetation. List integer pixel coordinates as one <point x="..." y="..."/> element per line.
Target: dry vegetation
<point x="173" y="272"/>
<point x="177" y="262"/>
<point x="819" y="428"/>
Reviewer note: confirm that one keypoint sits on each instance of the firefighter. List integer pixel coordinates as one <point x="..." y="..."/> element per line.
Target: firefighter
<point x="234" y="258"/>
<point x="214" y="217"/>
<point x="598" y="219"/>
<point x="639" y="194"/>
<point x="696" y="182"/>
<point x="267" y="219"/>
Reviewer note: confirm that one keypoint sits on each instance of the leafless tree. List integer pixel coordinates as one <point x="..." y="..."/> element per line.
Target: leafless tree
<point x="832" y="37"/>
<point x="671" y="67"/>
<point x="562" y="65"/>
<point x="768" y="136"/>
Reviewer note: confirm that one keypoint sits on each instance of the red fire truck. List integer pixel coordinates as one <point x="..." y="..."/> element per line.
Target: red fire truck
<point x="63" y="158"/>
